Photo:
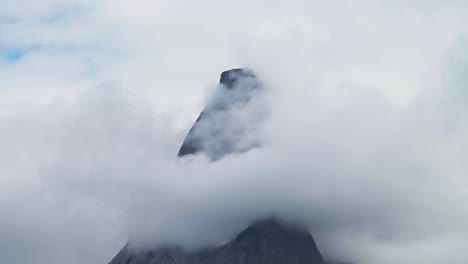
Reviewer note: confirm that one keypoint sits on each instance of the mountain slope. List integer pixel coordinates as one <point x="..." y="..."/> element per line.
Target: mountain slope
<point x="218" y="130"/>
<point x="264" y="242"/>
<point x="268" y="241"/>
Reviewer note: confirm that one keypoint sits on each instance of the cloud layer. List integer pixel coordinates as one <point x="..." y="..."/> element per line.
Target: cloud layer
<point x="365" y="143"/>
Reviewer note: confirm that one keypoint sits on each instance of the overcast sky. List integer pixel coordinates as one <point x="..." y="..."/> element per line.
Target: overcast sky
<point x="366" y="140"/>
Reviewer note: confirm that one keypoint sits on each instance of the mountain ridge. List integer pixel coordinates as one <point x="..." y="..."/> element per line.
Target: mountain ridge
<point x="266" y="241"/>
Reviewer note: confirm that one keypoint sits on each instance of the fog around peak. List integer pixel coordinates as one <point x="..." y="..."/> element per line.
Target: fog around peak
<point x="364" y="139"/>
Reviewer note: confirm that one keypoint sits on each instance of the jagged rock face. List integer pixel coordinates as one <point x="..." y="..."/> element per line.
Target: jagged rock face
<point x="221" y="128"/>
<point x="265" y="242"/>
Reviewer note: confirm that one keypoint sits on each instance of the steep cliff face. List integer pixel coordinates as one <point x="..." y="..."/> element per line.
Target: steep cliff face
<point x="218" y="130"/>
<point x="265" y="242"/>
<point x="268" y="241"/>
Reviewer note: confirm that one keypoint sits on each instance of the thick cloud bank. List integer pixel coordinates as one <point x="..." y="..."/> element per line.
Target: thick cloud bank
<point x="366" y="139"/>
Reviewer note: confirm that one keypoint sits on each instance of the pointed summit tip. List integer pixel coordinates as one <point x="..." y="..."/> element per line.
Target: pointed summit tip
<point x="212" y="131"/>
<point x="231" y="77"/>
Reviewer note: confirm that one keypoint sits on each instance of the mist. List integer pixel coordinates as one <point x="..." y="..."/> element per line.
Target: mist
<point x="372" y="181"/>
<point x="363" y="135"/>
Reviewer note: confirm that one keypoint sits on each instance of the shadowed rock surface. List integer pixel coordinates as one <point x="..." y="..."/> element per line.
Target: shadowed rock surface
<point x="265" y="242"/>
<point x="269" y="241"/>
<point x="216" y="132"/>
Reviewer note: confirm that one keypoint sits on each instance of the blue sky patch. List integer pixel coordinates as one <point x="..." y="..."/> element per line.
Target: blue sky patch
<point x="12" y="54"/>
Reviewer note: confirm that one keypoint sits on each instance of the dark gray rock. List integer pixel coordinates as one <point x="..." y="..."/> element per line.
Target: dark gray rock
<point x="216" y="132"/>
<point x="265" y="242"/>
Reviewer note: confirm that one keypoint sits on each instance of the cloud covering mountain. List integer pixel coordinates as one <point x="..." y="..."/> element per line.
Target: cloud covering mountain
<point x="365" y="141"/>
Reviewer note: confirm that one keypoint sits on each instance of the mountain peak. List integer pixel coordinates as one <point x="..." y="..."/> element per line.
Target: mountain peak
<point x="230" y="77"/>
<point x="222" y="127"/>
<point x="268" y="241"/>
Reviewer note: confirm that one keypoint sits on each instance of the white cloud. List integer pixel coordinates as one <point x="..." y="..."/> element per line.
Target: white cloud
<point x="366" y="141"/>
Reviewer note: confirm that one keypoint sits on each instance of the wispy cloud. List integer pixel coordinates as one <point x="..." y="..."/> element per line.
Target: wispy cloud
<point x="366" y="141"/>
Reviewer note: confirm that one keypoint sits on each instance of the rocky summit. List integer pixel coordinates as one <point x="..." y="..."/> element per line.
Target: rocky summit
<point x="218" y="130"/>
<point x="268" y="241"/>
